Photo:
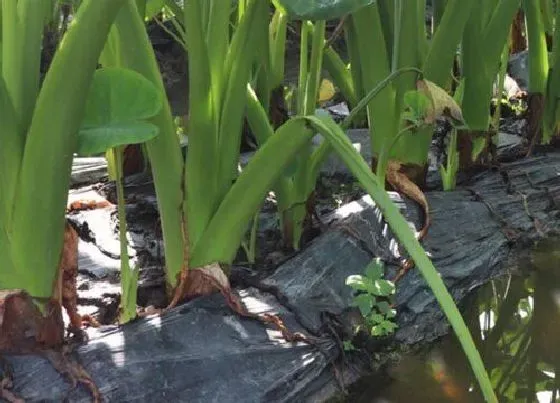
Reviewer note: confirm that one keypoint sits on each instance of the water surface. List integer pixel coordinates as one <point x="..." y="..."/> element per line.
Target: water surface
<point x="515" y="321"/>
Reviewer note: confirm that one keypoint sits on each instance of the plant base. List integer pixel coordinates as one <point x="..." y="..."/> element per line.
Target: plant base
<point x="27" y="329"/>
<point x="535" y="110"/>
<point x="465" y="146"/>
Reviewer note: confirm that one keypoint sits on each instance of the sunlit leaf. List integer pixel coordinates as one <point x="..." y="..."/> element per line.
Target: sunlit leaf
<point x="118" y="103"/>
<point x="418" y="106"/>
<point x="383" y="288"/>
<point x="97" y="140"/>
<point x="360" y="283"/>
<point x="153" y="7"/>
<point x="120" y="95"/>
<point x="320" y="9"/>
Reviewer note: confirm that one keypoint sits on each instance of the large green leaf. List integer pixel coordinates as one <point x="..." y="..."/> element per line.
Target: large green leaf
<point x="320" y="9"/>
<point x="119" y="95"/>
<point x="118" y="102"/>
<point x="96" y="140"/>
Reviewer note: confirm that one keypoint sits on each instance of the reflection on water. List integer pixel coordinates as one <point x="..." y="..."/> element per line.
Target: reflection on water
<point x="515" y="322"/>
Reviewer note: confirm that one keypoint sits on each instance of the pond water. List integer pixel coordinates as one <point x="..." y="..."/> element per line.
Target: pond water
<point x="515" y="321"/>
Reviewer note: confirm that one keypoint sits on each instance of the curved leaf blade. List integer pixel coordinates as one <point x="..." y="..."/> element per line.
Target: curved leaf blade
<point x="97" y="140"/>
<point x="320" y="9"/>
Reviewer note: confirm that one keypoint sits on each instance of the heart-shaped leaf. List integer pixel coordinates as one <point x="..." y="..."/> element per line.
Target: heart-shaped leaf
<point x="96" y="140"/>
<point x="118" y="103"/>
<point x="120" y="95"/>
<point x="418" y="106"/>
<point x="320" y="9"/>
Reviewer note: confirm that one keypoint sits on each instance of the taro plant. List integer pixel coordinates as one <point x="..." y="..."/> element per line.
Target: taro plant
<point x="397" y="31"/>
<point x="189" y="207"/>
<point x="484" y="38"/>
<point x="76" y="109"/>
<point x="118" y="105"/>
<point x="111" y="104"/>
<point x="294" y="188"/>
<point x="34" y="183"/>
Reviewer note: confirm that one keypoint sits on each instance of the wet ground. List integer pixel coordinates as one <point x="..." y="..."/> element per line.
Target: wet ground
<point x="515" y="321"/>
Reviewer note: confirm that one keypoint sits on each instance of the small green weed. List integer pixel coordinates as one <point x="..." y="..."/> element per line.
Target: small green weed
<point x="373" y="298"/>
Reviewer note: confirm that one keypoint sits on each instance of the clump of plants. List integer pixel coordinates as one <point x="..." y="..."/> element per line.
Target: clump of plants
<point x="396" y="80"/>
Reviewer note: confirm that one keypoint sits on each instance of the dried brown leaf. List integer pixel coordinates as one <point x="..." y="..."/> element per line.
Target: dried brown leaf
<point x="443" y="104"/>
<point x="402" y="184"/>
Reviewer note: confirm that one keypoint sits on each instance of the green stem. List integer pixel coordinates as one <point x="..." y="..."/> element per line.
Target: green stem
<point x="315" y="64"/>
<point x="129" y="277"/>
<point x="164" y="151"/>
<point x="306" y="28"/>
<point x="277" y="39"/>
<point x="386" y="152"/>
<point x="538" y="57"/>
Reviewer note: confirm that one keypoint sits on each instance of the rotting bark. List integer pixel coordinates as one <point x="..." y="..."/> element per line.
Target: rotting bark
<point x="478" y="232"/>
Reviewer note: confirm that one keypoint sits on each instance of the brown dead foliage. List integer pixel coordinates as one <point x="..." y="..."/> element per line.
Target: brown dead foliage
<point x="66" y="288"/>
<point x="397" y="177"/>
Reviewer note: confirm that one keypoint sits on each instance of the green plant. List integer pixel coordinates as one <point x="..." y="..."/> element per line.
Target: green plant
<point x="398" y="224"/>
<point x="34" y="184"/>
<point x="76" y="109"/>
<point x="118" y="105"/>
<point x="101" y="109"/>
<point x="449" y="171"/>
<point x="484" y="38"/>
<point x="397" y="31"/>
<point x="212" y="220"/>
<point x="374" y="299"/>
<point x="538" y="66"/>
<point x="551" y="113"/>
